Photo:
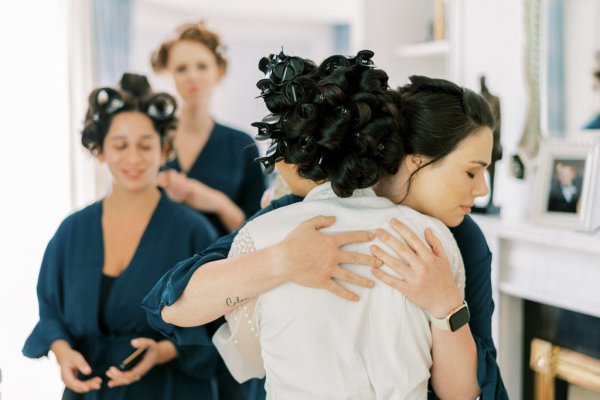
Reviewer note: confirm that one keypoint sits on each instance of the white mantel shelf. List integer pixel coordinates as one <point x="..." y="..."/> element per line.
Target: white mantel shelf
<point x="424" y="49"/>
<point x="545" y="264"/>
<point x="548" y="265"/>
<point x="540" y="234"/>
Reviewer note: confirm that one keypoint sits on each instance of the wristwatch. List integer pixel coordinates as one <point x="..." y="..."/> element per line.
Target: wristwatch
<point x="455" y="320"/>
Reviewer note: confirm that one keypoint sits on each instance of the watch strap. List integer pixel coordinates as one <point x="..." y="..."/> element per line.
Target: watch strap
<point x="445" y="323"/>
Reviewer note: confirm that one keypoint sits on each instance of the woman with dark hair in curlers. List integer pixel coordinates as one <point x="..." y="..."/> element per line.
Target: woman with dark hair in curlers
<point x="338" y="127"/>
<point x="104" y="258"/>
<point x="214" y="170"/>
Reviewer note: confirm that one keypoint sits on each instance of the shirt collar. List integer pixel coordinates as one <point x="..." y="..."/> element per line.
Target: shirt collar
<point x="325" y="191"/>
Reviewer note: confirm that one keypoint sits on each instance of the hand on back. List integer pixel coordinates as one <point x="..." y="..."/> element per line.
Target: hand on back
<point x="428" y="280"/>
<point x="180" y="188"/>
<point x="313" y="259"/>
<point x="175" y="184"/>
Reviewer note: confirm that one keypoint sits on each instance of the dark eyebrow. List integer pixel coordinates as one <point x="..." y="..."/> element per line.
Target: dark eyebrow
<point x="122" y="137"/>
<point x="482" y="163"/>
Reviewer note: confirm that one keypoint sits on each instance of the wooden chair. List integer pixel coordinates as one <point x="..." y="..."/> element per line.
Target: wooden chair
<point x="550" y="362"/>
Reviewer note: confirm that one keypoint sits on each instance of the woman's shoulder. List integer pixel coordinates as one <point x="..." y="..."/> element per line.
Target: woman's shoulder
<point x="468" y="231"/>
<point x="280" y="218"/>
<point x="234" y="135"/>
<point x="82" y="217"/>
<point x="78" y="224"/>
<point x="422" y="221"/>
<point x="181" y="215"/>
<point x="471" y="241"/>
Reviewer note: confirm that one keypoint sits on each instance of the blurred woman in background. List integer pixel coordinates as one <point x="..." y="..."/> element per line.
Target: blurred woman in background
<point x="214" y="170"/>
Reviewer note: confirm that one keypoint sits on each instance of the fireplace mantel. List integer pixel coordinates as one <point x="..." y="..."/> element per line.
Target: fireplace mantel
<point x="544" y="264"/>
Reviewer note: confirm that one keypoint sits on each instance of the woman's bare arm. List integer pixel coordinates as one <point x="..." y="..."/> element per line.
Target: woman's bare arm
<point x="306" y="256"/>
<point x="428" y="283"/>
<point x="207" y="199"/>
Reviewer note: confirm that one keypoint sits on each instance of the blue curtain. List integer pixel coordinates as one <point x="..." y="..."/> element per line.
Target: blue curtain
<point x="341" y="39"/>
<point x="111" y="21"/>
<point x="556" y="69"/>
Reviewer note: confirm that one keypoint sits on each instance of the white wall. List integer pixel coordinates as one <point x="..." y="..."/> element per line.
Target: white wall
<point x="494" y="45"/>
<point x="389" y="24"/>
<point x="34" y="178"/>
<point x="581" y="42"/>
<point x="248" y="34"/>
<point x="494" y="40"/>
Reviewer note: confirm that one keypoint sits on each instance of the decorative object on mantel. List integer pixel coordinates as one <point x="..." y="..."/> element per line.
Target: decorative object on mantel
<point x="517" y="169"/>
<point x="494" y="102"/>
<point x="439" y="20"/>
<point x="522" y="165"/>
<point x="567" y="183"/>
<point x="530" y="139"/>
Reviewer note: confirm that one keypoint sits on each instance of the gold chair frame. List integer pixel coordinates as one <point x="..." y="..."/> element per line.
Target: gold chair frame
<point x="550" y="362"/>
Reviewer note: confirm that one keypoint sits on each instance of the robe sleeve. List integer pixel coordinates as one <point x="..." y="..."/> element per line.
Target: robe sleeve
<point x="204" y="235"/>
<point x="238" y="340"/>
<point x="170" y="287"/>
<point x="478" y="294"/>
<point x="479" y="297"/>
<point x="166" y="292"/>
<point x="199" y="361"/>
<point x="50" y="326"/>
<point x="253" y="182"/>
<point x="196" y="356"/>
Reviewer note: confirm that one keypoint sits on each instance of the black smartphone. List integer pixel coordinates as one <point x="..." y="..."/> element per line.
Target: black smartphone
<point x="131" y="360"/>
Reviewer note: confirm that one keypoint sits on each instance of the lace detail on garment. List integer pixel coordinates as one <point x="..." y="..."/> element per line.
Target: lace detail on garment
<point x="242" y="244"/>
<point x="458" y="267"/>
<point x="246" y="312"/>
<point x="238" y="340"/>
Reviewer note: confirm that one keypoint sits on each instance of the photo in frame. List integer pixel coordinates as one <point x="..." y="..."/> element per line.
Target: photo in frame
<point x="567" y="183"/>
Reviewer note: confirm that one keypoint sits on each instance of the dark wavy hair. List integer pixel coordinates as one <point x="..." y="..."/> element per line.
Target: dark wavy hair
<point x="439" y="114"/>
<point x="133" y="94"/>
<point x="436" y="116"/>
<point x="338" y="121"/>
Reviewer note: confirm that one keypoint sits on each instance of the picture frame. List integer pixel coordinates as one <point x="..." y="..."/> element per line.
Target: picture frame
<point x="567" y="183"/>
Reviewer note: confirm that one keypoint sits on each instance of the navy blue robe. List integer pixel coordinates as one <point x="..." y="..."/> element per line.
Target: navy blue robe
<point x="478" y="294"/>
<point x="226" y="163"/>
<point x="593" y="124"/>
<point x="69" y="294"/>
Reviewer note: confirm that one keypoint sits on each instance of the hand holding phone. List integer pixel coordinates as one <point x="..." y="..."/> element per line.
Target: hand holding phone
<point x="131" y="360"/>
<point x="136" y="365"/>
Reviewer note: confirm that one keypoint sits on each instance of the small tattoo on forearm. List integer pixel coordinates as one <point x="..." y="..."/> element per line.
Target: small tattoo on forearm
<point x="233" y="302"/>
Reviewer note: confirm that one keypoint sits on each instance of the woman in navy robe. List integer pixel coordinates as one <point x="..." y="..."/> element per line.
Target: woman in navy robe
<point x="214" y="170"/>
<point x="104" y="258"/>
